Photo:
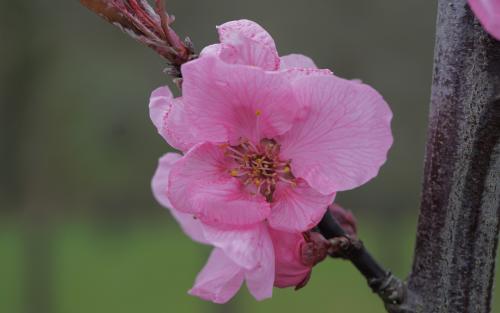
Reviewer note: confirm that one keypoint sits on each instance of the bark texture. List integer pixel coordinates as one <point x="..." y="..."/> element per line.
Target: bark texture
<point x="459" y="219"/>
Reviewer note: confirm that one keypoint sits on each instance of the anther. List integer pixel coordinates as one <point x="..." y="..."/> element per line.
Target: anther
<point x="234" y="172"/>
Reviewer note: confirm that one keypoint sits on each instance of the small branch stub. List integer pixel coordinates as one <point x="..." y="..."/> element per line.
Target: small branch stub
<point x="388" y="287"/>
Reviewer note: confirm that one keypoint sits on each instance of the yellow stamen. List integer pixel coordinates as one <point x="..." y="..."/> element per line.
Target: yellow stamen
<point x="286" y="169"/>
<point x="258" y="112"/>
<point x="234" y="172"/>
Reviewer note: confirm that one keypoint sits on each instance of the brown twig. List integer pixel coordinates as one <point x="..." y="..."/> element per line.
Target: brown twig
<point x="148" y="26"/>
<point x="388" y="287"/>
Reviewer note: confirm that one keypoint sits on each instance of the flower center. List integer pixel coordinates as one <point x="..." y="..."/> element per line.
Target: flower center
<point x="259" y="166"/>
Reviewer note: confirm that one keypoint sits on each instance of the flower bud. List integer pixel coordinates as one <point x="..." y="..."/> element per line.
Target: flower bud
<point x="314" y="249"/>
<point x="345" y="218"/>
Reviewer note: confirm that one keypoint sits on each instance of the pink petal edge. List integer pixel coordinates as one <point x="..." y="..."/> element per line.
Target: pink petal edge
<point x="344" y="137"/>
<point x="246" y="42"/>
<point x="295" y="60"/>
<point x="219" y="280"/>
<point x="170" y="119"/>
<point x="159" y="184"/>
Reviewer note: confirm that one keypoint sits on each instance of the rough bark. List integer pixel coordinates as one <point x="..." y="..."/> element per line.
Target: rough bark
<point x="459" y="219"/>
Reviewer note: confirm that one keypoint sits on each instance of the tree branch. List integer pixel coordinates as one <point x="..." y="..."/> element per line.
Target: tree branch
<point x="391" y="290"/>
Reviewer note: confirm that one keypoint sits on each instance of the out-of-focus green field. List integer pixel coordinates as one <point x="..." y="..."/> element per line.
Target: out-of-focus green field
<point x="149" y="266"/>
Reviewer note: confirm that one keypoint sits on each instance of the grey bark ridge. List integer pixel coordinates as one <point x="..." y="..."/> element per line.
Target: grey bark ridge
<point x="458" y="226"/>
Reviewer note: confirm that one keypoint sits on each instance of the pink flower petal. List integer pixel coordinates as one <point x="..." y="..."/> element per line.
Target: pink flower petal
<point x="293" y="74"/>
<point x="192" y="168"/>
<point x="260" y="280"/>
<point x="211" y="50"/>
<point x="247" y="246"/>
<point x="200" y="184"/>
<point x="297" y="209"/>
<point x="159" y="103"/>
<point x="250" y="249"/>
<point x="246" y="42"/>
<point x="296" y="61"/>
<point x="488" y="13"/>
<point x="219" y="280"/>
<point x="229" y="102"/>
<point x="229" y="203"/>
<point x="159" y="184"/>
<point x="169" y="117"/>
<point x="295" y="66"/>
<point x="190" y="225"/>
<point x="343" y="139"/>
<point x="289" y="269"/>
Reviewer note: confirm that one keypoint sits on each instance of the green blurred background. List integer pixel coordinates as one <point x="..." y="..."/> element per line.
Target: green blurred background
<point x="79" y="228"/>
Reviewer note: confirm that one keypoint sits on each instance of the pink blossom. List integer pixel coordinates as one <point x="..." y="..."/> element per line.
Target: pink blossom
<point x="272" y="258"/>
<point x="488" y="13"/>
<point x="267" y="143"/>
<point x="283" y="148"/>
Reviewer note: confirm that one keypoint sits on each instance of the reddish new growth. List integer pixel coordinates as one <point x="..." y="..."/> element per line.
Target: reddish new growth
<point x="150" y="26"/>
<point x="314" y="249"/>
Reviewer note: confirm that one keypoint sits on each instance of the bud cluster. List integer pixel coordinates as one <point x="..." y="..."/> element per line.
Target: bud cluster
<point x="149" y="26"/>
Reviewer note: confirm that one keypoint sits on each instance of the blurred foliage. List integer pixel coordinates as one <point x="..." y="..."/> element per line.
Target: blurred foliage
<point x="77" y="150"/>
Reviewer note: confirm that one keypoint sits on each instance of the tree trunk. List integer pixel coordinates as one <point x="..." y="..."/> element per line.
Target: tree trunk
<point x="459" y="219"/>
